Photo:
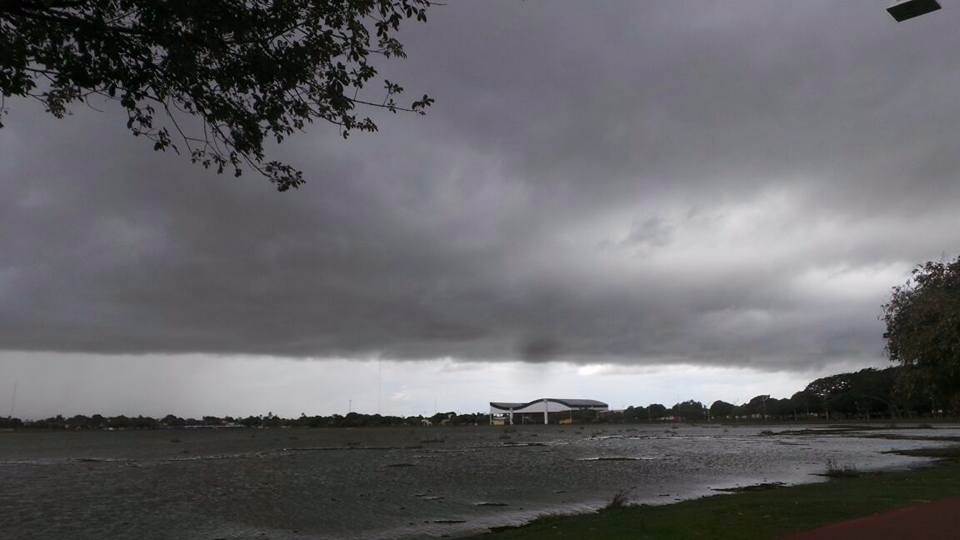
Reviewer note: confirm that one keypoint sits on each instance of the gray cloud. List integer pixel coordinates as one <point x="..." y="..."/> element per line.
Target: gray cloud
<point x="637" y="182"/>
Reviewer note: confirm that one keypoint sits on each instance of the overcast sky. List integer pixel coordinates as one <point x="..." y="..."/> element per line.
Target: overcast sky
<point x="627" y="201"/>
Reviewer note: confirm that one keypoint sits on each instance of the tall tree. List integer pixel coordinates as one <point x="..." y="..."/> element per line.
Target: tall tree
<point x="923" y="325"/>
<point x="721" y="409"/>
<point x="656" y="411"/>
<point x="690" y="411"/>
<point x="213" y="79"/>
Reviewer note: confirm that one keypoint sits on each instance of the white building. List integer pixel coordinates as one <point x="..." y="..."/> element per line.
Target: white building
<point x="506" y="410"/>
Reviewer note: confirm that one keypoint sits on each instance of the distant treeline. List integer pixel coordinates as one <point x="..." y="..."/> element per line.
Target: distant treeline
<point x="270" y="420"/>
<point x="896" y="392"/>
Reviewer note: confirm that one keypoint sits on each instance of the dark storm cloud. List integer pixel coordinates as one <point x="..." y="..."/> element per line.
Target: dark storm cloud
<point x="705" y="182"/>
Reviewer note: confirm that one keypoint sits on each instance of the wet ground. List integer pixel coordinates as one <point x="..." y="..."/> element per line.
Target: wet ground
<point x="397" y="483"/>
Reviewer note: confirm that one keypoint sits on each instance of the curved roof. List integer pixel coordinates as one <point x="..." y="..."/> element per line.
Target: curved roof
<point x="572" y="403"/>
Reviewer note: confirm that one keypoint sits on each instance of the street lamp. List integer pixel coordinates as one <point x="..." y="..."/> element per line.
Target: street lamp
<point x="908" y="9"/>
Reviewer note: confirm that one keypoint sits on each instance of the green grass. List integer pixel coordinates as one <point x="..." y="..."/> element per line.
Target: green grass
<point x="767" y="513"/>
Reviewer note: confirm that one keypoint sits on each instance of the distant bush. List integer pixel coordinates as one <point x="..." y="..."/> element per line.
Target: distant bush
<point x="836" y="470"/>
<point x="10" y="423"/>
<point x="621" y="499"/>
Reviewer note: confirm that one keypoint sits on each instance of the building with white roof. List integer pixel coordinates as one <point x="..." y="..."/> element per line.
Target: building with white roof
<point x="505" y="411"/>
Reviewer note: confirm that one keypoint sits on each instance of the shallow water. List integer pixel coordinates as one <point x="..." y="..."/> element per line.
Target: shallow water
<point x="392" y="482"/>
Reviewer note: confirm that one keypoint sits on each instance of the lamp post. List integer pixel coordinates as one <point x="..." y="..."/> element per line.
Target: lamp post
<point x="908" y="9"/>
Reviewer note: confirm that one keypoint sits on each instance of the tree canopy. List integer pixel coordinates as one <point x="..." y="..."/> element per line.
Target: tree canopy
<point x="690" y="410"/>
<point x="923" y="324"/>
<point x="212" y="79"/>
<point x="721" y="409"/>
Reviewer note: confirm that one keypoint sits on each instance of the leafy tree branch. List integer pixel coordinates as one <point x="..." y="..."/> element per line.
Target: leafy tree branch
<point x="247" y="71"/>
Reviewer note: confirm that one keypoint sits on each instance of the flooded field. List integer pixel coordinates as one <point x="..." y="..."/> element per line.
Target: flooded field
<point x="397" y="483"/>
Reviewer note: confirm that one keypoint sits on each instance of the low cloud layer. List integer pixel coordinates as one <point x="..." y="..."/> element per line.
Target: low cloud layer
<point x="730" y="183"/>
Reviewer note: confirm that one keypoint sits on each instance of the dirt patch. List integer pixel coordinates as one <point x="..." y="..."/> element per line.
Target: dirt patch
<point x="949" y="452"/>
<point x="610" y="458"/>
<point x="848" y="429"/>
<point x="895" y="437"/>
<point x="804" y="432"/>
<point x="754" y="487"/>
<point x="938" y="520"/>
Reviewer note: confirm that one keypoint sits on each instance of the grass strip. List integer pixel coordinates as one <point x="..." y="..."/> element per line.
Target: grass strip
<point x="769" y="513"/>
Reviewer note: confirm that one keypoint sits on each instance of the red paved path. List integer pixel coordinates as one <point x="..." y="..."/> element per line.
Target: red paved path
<point x="938" y="520"/>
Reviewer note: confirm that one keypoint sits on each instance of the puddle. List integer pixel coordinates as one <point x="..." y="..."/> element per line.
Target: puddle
<point x="344" y="483"/>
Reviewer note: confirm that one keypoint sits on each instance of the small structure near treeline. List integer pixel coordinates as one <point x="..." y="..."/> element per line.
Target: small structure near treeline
<point x="543" y="410"/>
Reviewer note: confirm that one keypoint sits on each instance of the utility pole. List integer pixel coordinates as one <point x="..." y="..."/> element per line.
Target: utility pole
<point x="908" y="9"/>
<point x="13" y="400"/>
